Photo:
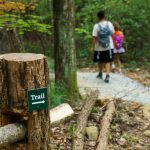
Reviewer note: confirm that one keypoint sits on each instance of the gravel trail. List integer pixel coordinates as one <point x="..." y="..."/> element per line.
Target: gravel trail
<point x="120" y="86"/>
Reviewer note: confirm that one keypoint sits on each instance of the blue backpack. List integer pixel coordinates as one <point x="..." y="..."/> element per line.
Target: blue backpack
<point x="103" y="36"/>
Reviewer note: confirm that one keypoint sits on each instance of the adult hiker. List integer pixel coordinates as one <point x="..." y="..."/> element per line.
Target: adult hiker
<point x="118" y="38"/>
<point x="102" y="45"/>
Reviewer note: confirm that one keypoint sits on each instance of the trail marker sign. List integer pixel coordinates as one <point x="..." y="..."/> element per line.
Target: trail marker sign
<point x="37" y="99"/>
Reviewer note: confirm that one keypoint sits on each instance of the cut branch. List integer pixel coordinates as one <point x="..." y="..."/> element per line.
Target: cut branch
<point x="78" y="142"/>
<point x="12" y="133"/>
<point x="105" y="125"/>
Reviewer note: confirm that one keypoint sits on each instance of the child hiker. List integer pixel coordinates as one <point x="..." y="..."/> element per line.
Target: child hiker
<point x="102" y="45"/>
<point x="118" y="44"/>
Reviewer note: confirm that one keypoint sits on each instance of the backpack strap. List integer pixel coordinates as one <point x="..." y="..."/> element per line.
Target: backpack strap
<point x="100" y="27"/>
<point x="107" y="25"/>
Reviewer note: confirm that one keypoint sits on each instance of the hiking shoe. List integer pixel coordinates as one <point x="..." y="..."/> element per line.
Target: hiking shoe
<point x="100" y="75"/>
<point x="107" y="78"/>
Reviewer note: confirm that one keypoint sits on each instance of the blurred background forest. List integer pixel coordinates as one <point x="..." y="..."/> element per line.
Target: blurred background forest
<point x="27" y="26"/>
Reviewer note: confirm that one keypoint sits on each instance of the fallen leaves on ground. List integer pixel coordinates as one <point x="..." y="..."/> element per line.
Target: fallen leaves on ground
<point x="141" y="75"/>
<point x="129" y="129"/>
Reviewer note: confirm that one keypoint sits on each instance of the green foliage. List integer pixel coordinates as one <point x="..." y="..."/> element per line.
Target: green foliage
<point x="130" y="139"/>
<point x="58" y="93"/>
<point x="85" y="20"/>
<point x="133" y="23"/>
<point x="132" y="15"/>
<point x="95" y="110"/>
<point x="36" y="20"/>
<point x="71" y="129"/>
<point x="45" y="8"/>
<point x="51" y="147"/>
<point x="32" y="22"/>
<point x="25" y="23"/>
<point x="50" y="64"/>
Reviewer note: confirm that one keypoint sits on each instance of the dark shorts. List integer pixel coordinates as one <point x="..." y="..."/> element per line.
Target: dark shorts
<point x="103" y="56"/>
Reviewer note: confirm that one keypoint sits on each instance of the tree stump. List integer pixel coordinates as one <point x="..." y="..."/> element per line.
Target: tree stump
<point x="18" y="74"/>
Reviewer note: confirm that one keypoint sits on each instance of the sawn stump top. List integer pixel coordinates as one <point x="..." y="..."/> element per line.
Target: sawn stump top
<point x="22" y="56"/>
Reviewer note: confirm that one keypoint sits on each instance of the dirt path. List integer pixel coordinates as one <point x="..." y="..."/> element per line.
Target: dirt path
<point x="120" y="86"/>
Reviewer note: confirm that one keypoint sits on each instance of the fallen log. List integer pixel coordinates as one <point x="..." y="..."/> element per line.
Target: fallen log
<point x="12" y="133"/>
<point x="105" y="125"/>
<point x="78" y="141"/>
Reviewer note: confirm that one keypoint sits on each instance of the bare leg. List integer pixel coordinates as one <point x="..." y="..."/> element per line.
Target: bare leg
<point x="107" y="66"/>
<point x="115" y="59"/>
<point x="119" y="62"/>
<point x="100" y="67"/>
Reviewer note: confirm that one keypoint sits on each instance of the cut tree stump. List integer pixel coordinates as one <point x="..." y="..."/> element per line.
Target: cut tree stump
<point x="78" y="141"/>
<point x="105" y="125"/>
<point x="20" y="72"/>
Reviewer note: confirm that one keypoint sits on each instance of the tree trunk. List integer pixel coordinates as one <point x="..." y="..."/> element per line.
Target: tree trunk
<point x="10" y="42"/>
<point x="105" y="125"/>
<point x="64" y="45"/>
<point x="20" y="73"/>
<point x="78" y="142"/>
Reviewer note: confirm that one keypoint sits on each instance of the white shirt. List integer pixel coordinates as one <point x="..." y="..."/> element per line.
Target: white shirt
<point x="98" y="47"/>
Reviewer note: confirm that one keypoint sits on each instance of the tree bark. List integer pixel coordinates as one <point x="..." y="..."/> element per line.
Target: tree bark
<point x="20" y="73"/>
<point x="10" y="42"/>
<point x="78" y="142"/>
<point x="64" y="45"/>
<point x="105" y="125"/>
